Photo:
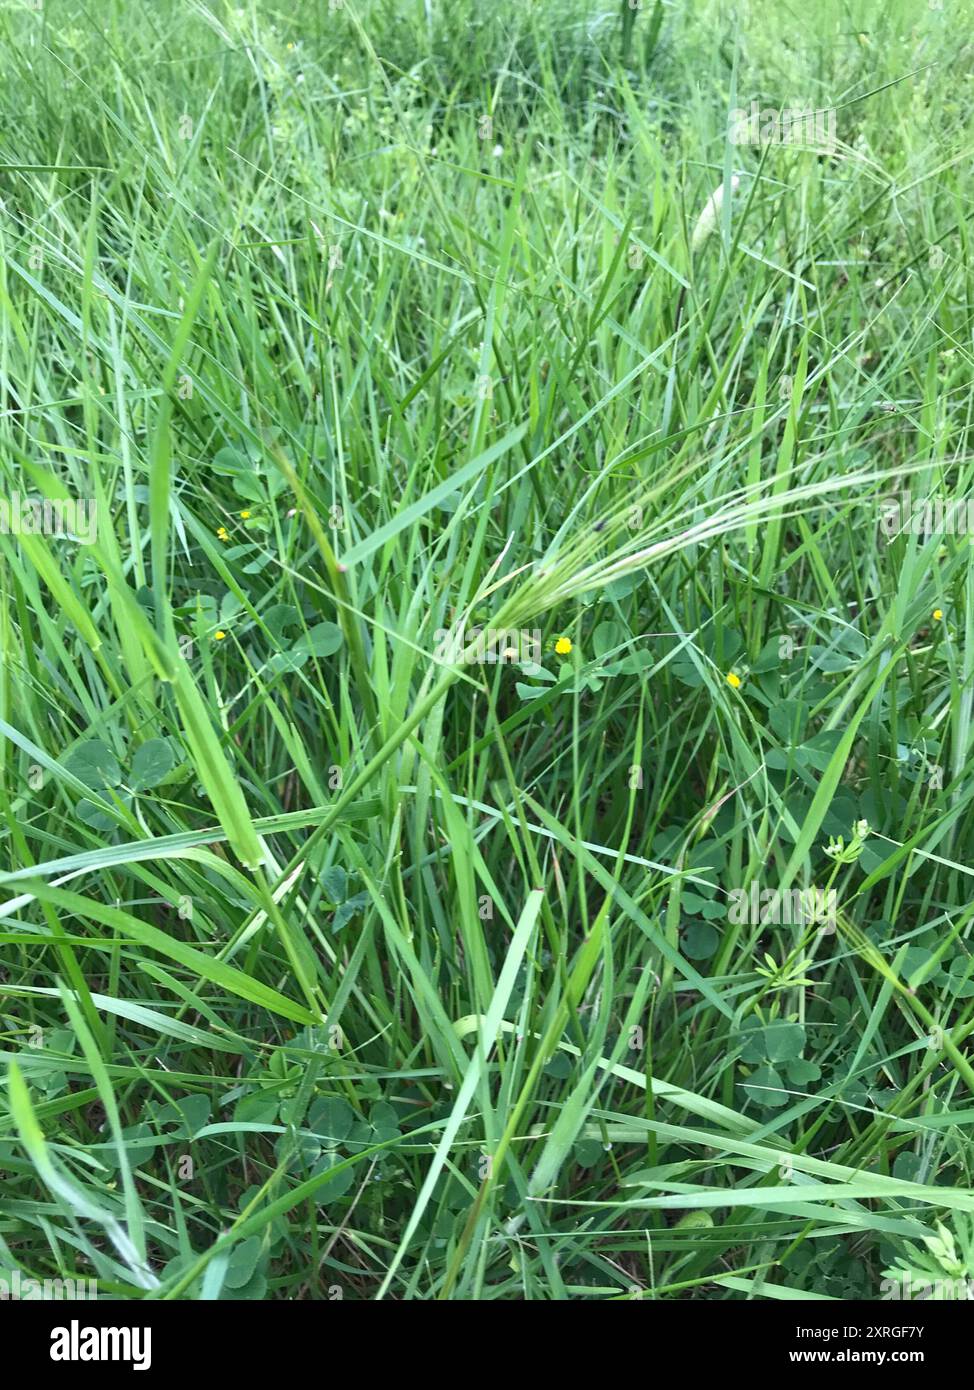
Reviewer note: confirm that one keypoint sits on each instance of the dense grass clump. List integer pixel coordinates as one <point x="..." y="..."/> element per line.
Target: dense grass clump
<point x="623" y="949"/>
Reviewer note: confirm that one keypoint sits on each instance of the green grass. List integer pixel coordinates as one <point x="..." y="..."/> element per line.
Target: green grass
<point x="333" y="967"/>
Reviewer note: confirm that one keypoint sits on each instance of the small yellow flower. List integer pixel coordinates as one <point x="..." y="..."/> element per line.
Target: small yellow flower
<point x="734" y="679"/>
<point x="220" y="636"/>
<point x="563" y="646"/>
<point x="245" y="516"/>
<point x="938" y="613"/>
<point x="223" y="534"/>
